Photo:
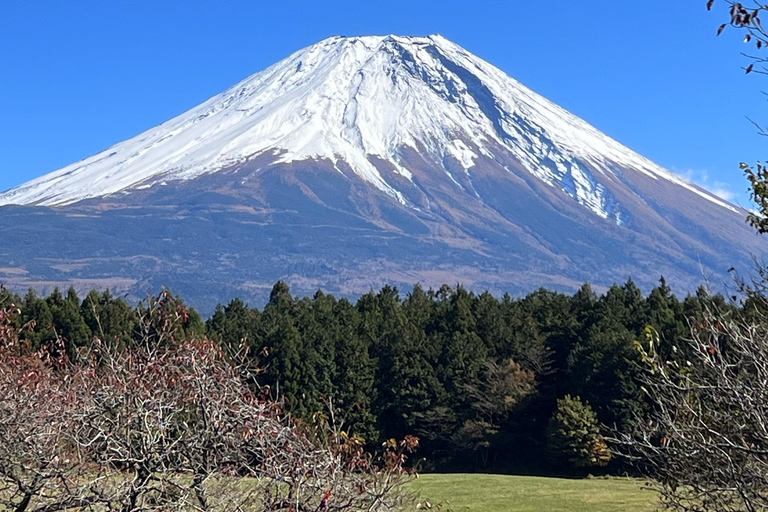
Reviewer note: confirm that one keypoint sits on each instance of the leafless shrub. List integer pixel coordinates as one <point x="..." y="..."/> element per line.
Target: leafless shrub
<point x="40" y="470"/>
<point x="172" y="426"/>
<point x="706" y="443"/>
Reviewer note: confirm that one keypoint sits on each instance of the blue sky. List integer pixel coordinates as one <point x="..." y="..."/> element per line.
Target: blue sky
<point x="81" y="75"/>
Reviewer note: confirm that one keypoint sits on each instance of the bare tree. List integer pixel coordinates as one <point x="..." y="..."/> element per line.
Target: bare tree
<point x="40" y="470"/>
<point x="172" y="426"/>
<point x="180" y="424"/>
<point x="706" y="442"/>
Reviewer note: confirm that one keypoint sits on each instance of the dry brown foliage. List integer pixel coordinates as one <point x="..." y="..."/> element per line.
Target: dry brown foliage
<point x="171" y="426"/>
<point x="706" y="443"/>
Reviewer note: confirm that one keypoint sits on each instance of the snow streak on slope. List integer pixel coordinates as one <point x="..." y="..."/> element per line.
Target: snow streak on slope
<point x="351" y="99"/>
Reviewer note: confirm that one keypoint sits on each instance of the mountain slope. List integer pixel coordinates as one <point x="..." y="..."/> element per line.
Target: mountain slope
<point x="351" y="99"/>
<point x="375" y="158"/>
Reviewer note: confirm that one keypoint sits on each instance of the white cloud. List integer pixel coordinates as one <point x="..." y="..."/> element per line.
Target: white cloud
<point x="723" y="192"/>
<point x="702" y="179"/>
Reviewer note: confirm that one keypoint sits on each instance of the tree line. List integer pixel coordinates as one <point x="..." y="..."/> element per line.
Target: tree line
<point x="487" y="383"/>
<point x="506" y="384"/>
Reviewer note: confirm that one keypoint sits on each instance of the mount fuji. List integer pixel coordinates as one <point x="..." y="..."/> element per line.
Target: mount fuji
<point x="364" y="160"/>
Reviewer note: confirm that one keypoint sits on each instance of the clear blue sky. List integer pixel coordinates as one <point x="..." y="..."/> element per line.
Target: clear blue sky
<point x="78" y="76"/>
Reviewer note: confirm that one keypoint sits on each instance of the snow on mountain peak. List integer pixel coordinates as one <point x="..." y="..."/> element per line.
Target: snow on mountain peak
<point x="354" y="98"/>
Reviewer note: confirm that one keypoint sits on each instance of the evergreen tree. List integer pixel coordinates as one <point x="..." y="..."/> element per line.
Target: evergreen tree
<point x="109" y="318"/>
<point x="239" y="330"/>
<point x="38" y="319"/>
<point x="442" y="364"/>
<point x="603" y="368"/>
<point x="280" y="296"/>
<point x="666" y="316"/>
<point x="573" y="435"/>
<point x="407" y="381"/>
<point x="354" y="381"/>
<point x="285" y="370"/>
<point x="491" y="326"/>
<point x="69" y="322"/>
<point x="463" y="350"/>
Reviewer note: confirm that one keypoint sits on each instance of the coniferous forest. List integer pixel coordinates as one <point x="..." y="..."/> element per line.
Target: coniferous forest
<point x="526" y="384"/>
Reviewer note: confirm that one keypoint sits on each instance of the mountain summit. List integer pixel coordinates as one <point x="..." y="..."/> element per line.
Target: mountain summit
<point x="361" y="100"/>
<point x="415" y="141"/>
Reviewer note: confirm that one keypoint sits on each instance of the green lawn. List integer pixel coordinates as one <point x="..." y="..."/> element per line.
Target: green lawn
<point x="498" y="493"/>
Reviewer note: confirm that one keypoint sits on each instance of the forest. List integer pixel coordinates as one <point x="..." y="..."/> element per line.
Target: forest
<point x="529" y="384"/>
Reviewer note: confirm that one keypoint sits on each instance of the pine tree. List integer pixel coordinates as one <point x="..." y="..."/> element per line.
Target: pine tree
<point x="665" y="315"/>
<point x="407" y="381"/>
<point x="280" y="296"/>
<point x="69" y="322"/>
<point x="286" y="370"/>
<point x="463" y="350"/>
<point x="37" y="316"/>
<point x="354" y="381"/>
<point x="239" y="330"/>
<point x="491" y="326"/>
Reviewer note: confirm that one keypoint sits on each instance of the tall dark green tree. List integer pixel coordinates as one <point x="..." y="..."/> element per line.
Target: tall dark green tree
<point x="407" y="381"/>
<point x="38" y="319"/>
<point x="110" y="318"/>
<point x="354" y="389"/>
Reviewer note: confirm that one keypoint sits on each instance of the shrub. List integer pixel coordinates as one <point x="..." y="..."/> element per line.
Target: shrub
<point x="573" y="435"/>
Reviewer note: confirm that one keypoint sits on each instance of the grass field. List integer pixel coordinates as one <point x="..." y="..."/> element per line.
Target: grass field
<point x="498" y="493"/>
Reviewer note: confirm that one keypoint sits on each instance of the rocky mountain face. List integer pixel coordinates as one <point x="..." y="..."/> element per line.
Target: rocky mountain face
<point x="362" y="161"/>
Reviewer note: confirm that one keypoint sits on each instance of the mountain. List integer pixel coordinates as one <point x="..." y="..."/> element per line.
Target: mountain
<point x="364" y="160"/>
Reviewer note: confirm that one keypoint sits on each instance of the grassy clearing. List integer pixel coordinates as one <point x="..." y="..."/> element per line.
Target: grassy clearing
<point x="500" y="493"/>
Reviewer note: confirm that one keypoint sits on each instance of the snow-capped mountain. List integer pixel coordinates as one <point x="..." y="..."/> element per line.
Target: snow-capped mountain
<point x="351" y="99"/>
<point x="414" y="139"/>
